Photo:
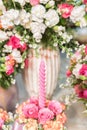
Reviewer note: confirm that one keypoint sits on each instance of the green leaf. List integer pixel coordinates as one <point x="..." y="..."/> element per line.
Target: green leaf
<point x="83" y="77"/>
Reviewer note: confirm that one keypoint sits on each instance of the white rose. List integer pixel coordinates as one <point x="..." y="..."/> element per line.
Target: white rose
<point x="17" y="56"/>
<point x="38" y="13"/>
<point x="3" y="36"/>
<point x="51" y="3"/>
<point x="77" y="13"/>
<point x="44" y="1"/>
<point x="76" y="70"/>
<point x="83" y="22"/>
<point x="51" y="17"/>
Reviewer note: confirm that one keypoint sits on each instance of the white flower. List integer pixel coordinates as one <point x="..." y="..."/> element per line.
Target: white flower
<point x="77" y="13"/>
<point x="37" y="27"/>
<point x="21" y="2"/>
<point x="51" y="3"/>
<point x="76" y="70"/>
<point x="38" y="13"/>
<point x="7" y="49"/>
<point x="83" y="22"/>
<point x="44" y="1"/>
<point x="52" y="18"/>
<point x="23" y="19"/>
<point x="3" y="36"/>
<point x="17" y="56"/>
<point x="37" y="36"/>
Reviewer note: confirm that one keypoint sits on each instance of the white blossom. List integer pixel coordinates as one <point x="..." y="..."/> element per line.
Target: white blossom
<point x="21" y="2"/>
<point x="17" y="56"/>
<point x="77" y="14"/>
<point x="3" y="36"/>
<point x="37" y="13"/>
<point x="76" y="70"/>
<point x="51" y="17"/>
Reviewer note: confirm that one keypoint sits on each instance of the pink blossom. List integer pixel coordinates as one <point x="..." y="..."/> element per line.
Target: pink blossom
<point x="83" y="70"/>
<point x="34" y="100"/>
<point x="30" y="111"/>
<point x="65" y="9"/>
<point x="14" y="42"/>
<point x="86" y="49"/>
<point x="45" y="115"/>
<point x="9" y="69"/>
<point x="1" y="123"/>
<point x="55" y="107"/>
<point x="68" y="73"/>
<point x="77" y="89"/>
<point x="85" y="93"/>
<point x="34" y="2"/>
<point x="84" y="1"/>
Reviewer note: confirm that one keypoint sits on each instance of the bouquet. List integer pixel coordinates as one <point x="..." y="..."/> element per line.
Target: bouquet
<point x="77" y="73"/>
<point x="29" y="115"/>
<point x="6" y="120"/>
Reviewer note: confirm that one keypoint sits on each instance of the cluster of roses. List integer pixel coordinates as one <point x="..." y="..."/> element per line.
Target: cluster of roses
<point x="77" y="73"/>
<point x="30" y="116"/>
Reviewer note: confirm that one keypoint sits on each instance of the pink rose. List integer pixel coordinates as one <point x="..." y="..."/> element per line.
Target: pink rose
<point x="85" y="93"/>
<point x="83" y="70"/>
<point x="65" y="9"/>
<point x="45" y="115"/>
<point x="85" y="1"/>
<point x="68" y="73"/>
<point x="1" y="123"/>
<point x="30" y="111"/>
<point x="14" y="42"/>
<point x="34" y="2"/>
<point x="77" y="89"/>
<point x="55" y="107"/>
<point x="34" y="100"/>
<point x="9" y="69"/>
<point x="86" y="49"/>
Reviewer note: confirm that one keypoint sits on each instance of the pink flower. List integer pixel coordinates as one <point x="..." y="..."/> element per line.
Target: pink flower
<point x="45" y="115"/>
<point x="14" y="42"/>
<point x="68" y="73"/>
<point x="1" y="123"/>
<point x="85" y="1"/>
<point x="83" y="70"/>
<point x="34" y="100"/>
<point x="9" y="69"/>
<point x="30" y="111"/>
<point x="65" y="9"/>
<point x="86" y="49"/>
<point x="34" y="2"/>
<point x="55" y="107"/>
<point x="85" y="93"/>
<point x="77" y="89"/>
<point x="23" y="47"/>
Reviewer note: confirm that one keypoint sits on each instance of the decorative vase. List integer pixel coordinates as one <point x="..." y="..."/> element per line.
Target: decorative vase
<point x="8" y="98"/>
<point x="31" y="73"/>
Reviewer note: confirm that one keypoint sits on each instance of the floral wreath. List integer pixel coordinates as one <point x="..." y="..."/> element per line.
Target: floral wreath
<point x="26" y="24"/>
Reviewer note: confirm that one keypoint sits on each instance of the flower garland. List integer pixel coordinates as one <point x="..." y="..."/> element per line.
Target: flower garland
<point x="77" y="74"/>
<point x="30" y="116"/>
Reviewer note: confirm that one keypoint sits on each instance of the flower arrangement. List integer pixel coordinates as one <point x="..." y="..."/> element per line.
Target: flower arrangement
<point x="77" y="73"/>
<point x="6" y="120"/>
<point x="29" y="115"/>
<point x="12" y="58"/>
<point x="31" y="23"/>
